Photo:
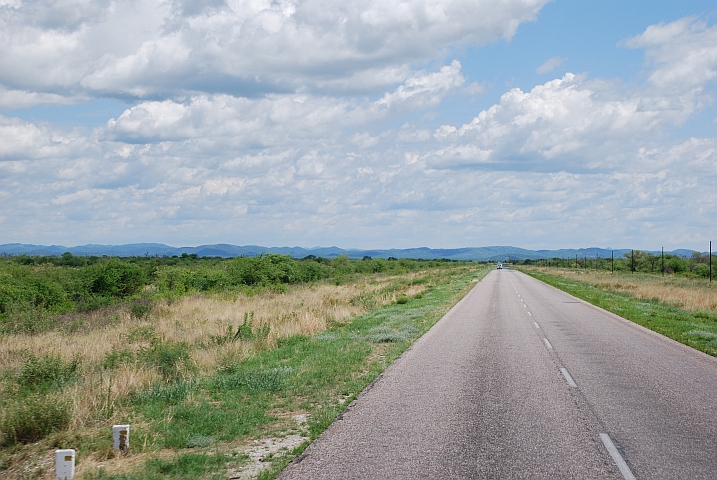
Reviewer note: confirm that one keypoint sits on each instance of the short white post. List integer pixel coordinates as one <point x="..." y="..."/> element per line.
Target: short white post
<point x="120" y="438"/>
<point x="64" y="464"/>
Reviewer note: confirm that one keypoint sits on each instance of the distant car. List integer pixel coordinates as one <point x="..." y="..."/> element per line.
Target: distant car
<point x="499" y="267"/>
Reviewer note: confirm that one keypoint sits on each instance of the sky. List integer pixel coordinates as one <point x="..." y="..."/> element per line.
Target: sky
<point x="364" y="124"/>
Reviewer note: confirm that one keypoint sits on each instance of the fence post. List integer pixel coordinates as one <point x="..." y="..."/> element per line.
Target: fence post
<point x="120" y="438"/>
<point x="65" y="464"/>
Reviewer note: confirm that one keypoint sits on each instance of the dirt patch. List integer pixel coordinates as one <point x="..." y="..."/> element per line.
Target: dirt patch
<point x="261" y="452"/>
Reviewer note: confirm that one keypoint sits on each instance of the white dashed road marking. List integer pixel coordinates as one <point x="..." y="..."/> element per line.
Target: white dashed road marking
<point x="547" y="344"/>
<point x="568" y="378"/>
<point x="619" y="461"/>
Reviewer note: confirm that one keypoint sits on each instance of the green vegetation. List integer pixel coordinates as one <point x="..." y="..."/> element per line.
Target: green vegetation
<point x="32" y="419"/>
<point x="36" y="292"/>
<point x="698" y="329"/>
<point x="204" y="396"/>
<point x="636" y="261"/>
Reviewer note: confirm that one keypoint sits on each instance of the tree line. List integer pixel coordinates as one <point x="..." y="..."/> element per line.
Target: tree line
<point x="697" y="265"/>
<point x="67" y="284"/>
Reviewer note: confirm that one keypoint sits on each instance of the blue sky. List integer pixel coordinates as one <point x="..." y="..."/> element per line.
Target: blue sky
<point x="370" y="124"/>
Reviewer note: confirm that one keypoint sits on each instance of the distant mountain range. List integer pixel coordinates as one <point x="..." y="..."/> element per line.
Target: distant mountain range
<point x="225" y="251"/>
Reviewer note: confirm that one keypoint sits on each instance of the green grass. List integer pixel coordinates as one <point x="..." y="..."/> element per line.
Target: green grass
<point x="318" y="375"/>
<point x="185" y="466"/>
<point x="33" y="418"/>
<point x="695" y="329"/>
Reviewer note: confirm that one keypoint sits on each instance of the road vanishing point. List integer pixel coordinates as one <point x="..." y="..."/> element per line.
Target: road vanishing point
<point x="521" y="380"/>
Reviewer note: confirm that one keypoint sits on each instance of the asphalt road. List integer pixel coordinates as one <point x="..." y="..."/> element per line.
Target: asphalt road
<point x="521" y="380"/>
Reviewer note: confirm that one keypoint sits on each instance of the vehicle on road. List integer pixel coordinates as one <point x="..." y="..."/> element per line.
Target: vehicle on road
<point x="499" y="266"/>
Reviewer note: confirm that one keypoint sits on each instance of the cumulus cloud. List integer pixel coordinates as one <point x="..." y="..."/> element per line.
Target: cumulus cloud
<point x="278" y="154"/>
<point x="21" y="140"/>
<point x="577" y="124"/>
<point x="268" y="121"/>
<point x="241" y="47"/>
<point x="681" y="54"/>
<point x="565" y="124"/>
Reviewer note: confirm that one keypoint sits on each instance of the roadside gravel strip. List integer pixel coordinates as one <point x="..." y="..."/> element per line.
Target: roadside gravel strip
<point x="521" y="380"/>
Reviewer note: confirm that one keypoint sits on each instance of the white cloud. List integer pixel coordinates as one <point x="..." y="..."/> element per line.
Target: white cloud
<point x="426" y="89"/>
<point x="240" y="47"/>
<point x="270" y="120"/>
<point x="551" y="64"/>
<point x="216" y="165"/>
<point x="21" y="140"/>
<point x="681" y="54"/>
<point x="569" y="123"/>
<point x="12" y="99"/>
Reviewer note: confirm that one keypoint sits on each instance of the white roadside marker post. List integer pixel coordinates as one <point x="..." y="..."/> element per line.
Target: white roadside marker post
<point x="120" y="438"/>
<point x="64" y="464"/>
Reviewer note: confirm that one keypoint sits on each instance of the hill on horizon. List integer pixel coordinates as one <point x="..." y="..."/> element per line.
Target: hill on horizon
<point x="497" y="253"/>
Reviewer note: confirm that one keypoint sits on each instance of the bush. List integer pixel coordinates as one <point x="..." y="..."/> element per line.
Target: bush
<point x="115" y="279"/>
<point x="23" y="288"/>
<point x="701" y="270"/>
<point x="140" y="309"/>
<point x="169" y="358"/>
<point x="115" y="358"/>
<point x="267" y="270"/>
<point x="47" y="371"/>
<point x="28" y="321"/>
<point x="33" y="418"/>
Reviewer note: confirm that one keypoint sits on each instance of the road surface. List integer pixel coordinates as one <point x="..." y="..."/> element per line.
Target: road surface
<point x="521" y="380"/>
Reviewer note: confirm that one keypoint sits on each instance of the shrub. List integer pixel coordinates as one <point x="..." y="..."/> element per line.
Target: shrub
<point x="402" y="299"/>
<point x="169" y="358"/>
<point x="171" y="279"/>
<point x="701" y="270"/>
<point x="115" y="279"/>
<point x="267" y="270"/>
<point x="23" y="288"/>
<point x="245" y="331"/>
<point x="28" y="321"/>
<point x="141" y="333"/>
<point x="115" y="358"/>
<point x="140" y="309"/>
<point x="33" y="418"/>
<point x="47" y="371"/>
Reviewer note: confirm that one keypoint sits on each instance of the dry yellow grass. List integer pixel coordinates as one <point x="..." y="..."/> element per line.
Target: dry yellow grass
<point x="195" y="320"/>
<point x="686" y="293"/>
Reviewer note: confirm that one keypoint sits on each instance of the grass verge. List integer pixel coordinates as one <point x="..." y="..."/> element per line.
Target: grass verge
<point x="218" y="403"/>
<point x="657" y="310"/>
